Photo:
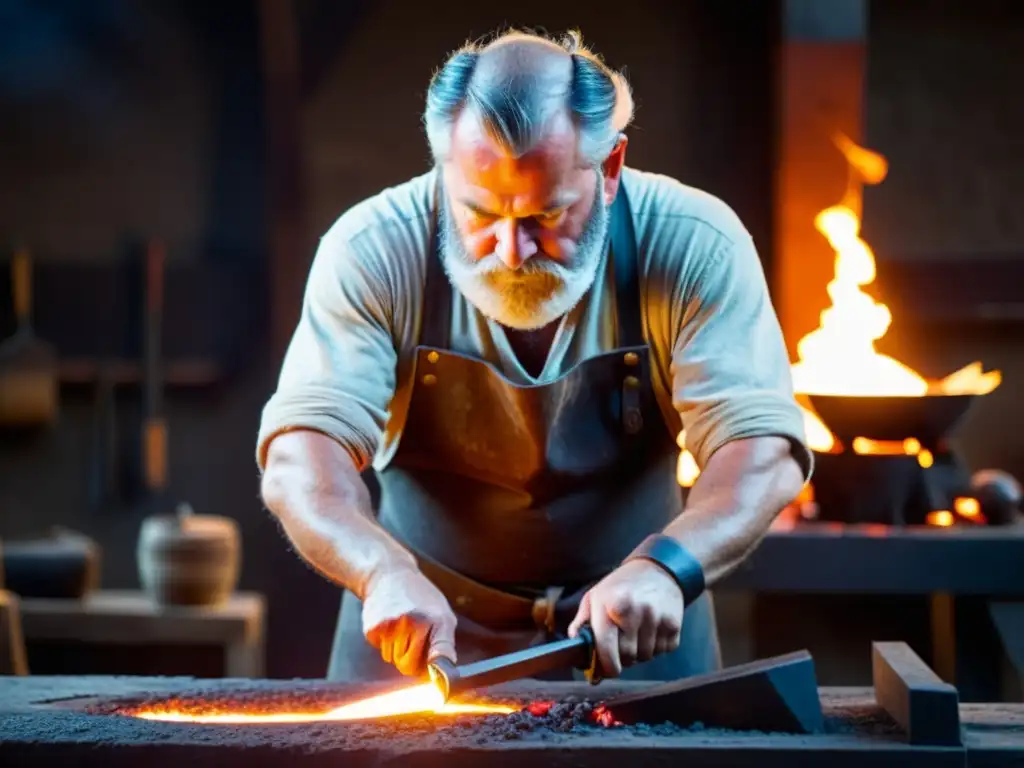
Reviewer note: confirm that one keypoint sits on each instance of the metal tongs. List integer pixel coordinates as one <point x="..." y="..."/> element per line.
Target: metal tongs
<point x="575" y="652"/>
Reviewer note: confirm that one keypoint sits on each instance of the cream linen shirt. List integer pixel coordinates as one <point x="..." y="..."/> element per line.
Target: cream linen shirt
<point x="719" y="364"/>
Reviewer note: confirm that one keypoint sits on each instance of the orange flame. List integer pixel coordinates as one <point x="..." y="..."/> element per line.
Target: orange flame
<point x="839" y="357"/>
<point x="419" y="699"/>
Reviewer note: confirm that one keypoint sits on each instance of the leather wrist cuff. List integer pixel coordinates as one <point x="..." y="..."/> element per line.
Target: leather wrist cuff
<point x="673" y="558"/>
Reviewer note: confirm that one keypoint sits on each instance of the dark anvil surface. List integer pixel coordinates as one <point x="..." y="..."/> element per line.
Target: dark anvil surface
<point x="45" y="719"/>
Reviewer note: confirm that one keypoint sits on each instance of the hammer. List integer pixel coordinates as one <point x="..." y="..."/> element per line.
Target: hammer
<point x="574" y="652"/>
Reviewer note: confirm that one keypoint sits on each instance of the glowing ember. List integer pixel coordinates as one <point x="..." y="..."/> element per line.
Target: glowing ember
<point x="967" y="507"/>
<point x="604" y="717"/>
<point x="419" y="699"/>
<point x="908" y="447"/>
<point x="863" y="446"/>
<point x="942" y="518"/>
<point x="539" y="708"/>
<point x="687" y="470"/>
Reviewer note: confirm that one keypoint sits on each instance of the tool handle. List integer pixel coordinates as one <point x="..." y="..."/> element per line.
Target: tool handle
<point x="569" y="653"/>
<point x="592" y="671"/>
<point x="21" y="284"/>
<point x="152" y="322"/>
<point x="155" y="448"/>
<point x="154" y="438"/>
<point x="155" y="258"/>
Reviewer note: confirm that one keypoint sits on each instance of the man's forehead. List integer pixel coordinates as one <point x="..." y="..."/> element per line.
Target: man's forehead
<point x="482" y="162"/>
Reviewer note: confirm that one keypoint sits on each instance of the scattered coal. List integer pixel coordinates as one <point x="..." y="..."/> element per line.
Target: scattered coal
<point x="570" y="715"/>
<point x="864" y="719"/>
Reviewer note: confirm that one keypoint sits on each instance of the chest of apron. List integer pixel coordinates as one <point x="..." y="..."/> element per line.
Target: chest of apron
<point x="532" y="484"/>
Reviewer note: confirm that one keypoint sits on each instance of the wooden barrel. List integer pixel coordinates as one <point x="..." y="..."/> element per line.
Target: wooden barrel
<point x="189" y="559"/>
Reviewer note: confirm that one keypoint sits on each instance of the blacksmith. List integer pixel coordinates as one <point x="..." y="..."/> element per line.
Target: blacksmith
<point x="514" y="341"/>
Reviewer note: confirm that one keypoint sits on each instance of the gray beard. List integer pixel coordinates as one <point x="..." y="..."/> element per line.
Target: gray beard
<point x="538" y="293"/>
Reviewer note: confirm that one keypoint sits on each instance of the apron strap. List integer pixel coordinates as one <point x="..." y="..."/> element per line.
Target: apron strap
<point x="437" y="304"/>
<point x="624" y="257"/>
<point x="436" y="319"/>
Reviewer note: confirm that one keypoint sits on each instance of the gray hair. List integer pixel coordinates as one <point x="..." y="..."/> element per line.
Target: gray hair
<point x="515" y="103"/>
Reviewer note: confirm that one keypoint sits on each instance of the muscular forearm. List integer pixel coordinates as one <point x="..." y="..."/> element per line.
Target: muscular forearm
<point x="314" y="489"/>
<point x="743" y="487"/>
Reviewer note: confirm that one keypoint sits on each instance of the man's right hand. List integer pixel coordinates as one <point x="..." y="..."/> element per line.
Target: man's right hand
<point x="408" y="619"/>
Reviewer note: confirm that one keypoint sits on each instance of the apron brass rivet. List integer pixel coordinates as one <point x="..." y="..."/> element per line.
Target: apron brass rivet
<point x="433" y="357"/>
<point x="631" y="358"/>
<point x="429" y="380"/>
<point x="461" y="600"/>
<point x="632" y="382"/>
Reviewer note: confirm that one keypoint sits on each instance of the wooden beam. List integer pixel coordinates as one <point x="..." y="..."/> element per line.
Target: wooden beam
<point x="289" y="252"/>
<point x="914" y="696"/>
<point x="820" y="90"/>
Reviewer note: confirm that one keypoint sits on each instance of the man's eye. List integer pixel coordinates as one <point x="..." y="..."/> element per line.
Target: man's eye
<point x="551" y="217"/>
<point x="480" y="217"/>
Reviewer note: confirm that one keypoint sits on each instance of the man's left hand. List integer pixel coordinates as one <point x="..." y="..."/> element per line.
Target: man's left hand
<point x="635" y="612"/>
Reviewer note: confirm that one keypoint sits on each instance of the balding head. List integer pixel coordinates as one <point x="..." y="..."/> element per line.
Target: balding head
<point x="519" y="84"/>
<point x="528" y="136"/>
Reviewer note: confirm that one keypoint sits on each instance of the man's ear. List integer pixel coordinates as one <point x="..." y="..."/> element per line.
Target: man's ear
<point x="612" y="169"/>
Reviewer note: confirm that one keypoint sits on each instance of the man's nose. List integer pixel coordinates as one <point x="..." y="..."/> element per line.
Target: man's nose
<point x="515" y="246"/>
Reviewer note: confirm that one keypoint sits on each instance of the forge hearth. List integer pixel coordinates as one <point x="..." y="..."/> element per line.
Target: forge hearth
<point x="83" y="721"/>
<point x="891" y="490"/>
<point x="891" y="461"/>
<point x="897" y="489"/>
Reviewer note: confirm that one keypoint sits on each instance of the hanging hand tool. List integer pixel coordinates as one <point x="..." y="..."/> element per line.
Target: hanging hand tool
<point x="28" y="366"/>
<point x="575" y="653"/>
<point x="154" y="428"/>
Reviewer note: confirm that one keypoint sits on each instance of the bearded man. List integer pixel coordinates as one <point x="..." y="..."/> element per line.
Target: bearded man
<point x="514" y="341"/>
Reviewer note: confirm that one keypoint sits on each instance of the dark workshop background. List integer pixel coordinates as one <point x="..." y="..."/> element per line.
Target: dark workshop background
<point x="236" y="131"/>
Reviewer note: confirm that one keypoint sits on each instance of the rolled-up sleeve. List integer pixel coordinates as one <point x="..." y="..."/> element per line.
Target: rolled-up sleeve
<point x="731" y="376"/>
<point x="338" y="374"/>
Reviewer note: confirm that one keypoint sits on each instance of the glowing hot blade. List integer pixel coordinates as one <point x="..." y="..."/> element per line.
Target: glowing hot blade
<point x="418" y="699"/>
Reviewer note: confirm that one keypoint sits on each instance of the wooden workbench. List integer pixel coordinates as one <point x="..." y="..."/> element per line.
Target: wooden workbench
<point x="131" y="618"/>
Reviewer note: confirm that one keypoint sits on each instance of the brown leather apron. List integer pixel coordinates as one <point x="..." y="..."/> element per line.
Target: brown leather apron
<point x="515" y="498"/>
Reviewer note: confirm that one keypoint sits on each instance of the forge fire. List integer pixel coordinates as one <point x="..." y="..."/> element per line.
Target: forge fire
<point x="415" y="707"/>
<point x="839" y="357"/>
<point x="879" y="428"/>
